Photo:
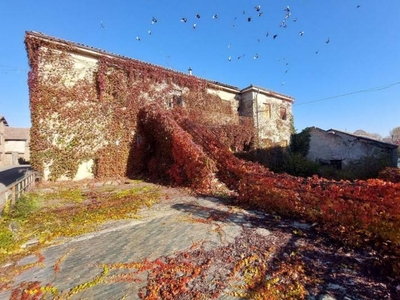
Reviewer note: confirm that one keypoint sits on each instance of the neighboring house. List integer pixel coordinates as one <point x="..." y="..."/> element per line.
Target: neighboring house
<point x="3" y="125"/>
<point x="14" y="144"/>
<point x="337" y="148"/>
<point x="108" y="107"/>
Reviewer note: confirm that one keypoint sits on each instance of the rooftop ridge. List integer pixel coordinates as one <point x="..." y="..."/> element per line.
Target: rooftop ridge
<point x="100" y="52"/>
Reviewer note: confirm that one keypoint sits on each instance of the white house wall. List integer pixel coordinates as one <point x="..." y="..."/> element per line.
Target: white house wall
<point x="227" y="96"/>
<point x="83" y="67"/>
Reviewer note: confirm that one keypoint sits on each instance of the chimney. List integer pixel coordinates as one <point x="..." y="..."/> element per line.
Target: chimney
<point x="190" y="71"/>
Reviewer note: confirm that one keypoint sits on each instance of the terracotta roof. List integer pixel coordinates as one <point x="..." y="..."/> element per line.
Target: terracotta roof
<point x="99" y="52"/>
<point x="18" y="134"/>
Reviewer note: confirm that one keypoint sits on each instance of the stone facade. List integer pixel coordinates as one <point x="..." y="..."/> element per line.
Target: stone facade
<point x="3" y="125"/>
<point x="334" y="147"/>
<point x="273" y="127"/>
<point x="14" y="144"/>
<point x="271" y="113"/>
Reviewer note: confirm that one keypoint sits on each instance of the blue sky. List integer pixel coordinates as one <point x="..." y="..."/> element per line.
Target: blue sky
<point x="350" y="83"/>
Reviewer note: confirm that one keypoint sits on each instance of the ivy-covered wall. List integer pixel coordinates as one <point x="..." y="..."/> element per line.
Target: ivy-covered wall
<point x="84" y="104"/>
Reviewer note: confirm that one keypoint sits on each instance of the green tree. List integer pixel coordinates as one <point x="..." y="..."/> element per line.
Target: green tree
<point x="300" y="142"/>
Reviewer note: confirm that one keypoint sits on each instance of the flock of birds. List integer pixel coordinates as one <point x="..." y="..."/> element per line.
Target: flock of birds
<point x="249" y="18"/>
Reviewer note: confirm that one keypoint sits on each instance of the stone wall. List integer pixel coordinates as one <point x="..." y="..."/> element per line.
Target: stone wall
<point x="328" y="146"/>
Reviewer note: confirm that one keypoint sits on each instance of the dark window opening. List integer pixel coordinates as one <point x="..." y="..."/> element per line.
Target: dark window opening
<point x="336" y="163"/>
<point x="267" y="110"/>
<point x="176" y="101"/>
<point x="283" y="113"/>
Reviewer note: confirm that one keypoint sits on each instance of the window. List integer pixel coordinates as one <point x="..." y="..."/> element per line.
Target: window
<point x="267" y="110"/>
<point x="336" y="163"/>
<point x="282" y="113"/>
<point x="176" y="101"/>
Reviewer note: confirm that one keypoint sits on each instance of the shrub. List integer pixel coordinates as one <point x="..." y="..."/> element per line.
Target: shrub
<point x="390" y="174"/>
<point x="22" y="161"/>
<point x="279" y="160"/>
<point x="300" y="142"/>
<point x="365" y="168"/>
<point x="297" y="165"/>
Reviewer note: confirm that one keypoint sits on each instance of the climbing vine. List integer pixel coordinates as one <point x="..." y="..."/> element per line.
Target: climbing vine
<point x="85" y="105"/>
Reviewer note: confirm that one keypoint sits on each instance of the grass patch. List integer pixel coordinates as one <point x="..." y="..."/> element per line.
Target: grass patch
<point x="61" y="212"/>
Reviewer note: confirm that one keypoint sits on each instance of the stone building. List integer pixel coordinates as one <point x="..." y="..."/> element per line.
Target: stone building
<point x="3" y="125"/>
<point x="270" y="111"/>
<point x="14" y="144"/>
<point x="338" y="148"/>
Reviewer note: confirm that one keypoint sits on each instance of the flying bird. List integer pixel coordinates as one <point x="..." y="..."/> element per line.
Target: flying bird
<point x="138" y="38"/>
<point x="327" y="41"/>
<point x="149" y="32"/>
<point x="260" y="14"/>
<point x="198" y="16"/>
<point x="275" y="36"/>
<point x="194" y="26"/>
<point x="267" y="34"/>
<point x="358" y="6"/>
<point x="287" y="9"/>
<point x="183" y="20"/>
<point x="301" y="33"/>
<point x="255" y="56"/>
<point x="295" y="20"/>
<point x="102" y="25"/>
<point x="249" y="19"/>
<point x="229" y="58"/>
<point x="215" y="16"/>
<point x="257" y="8"/>
<point x="154" y="21"/>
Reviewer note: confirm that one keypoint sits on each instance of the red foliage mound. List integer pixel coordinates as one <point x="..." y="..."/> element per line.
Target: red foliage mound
<point x="362" y="213"/>
<point x="164" y="151"/>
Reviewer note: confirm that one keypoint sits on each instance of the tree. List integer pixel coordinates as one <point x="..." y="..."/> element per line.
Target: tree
<point x="363" y="133"/>
<point x="395" y="135"/>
